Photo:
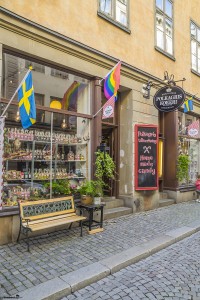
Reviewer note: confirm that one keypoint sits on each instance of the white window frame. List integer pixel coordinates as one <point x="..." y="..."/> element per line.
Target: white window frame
<point x="165" y="18"/>
<point x="112" y="16"/>
<point x="195" y="40"/>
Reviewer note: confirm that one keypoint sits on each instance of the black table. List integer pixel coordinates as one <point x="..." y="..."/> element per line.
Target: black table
<point x="91" y="208"/>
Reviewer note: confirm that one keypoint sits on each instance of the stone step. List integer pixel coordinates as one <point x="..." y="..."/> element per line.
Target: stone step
<point x="116" y="212"/>
<point x="163" y="195"/>
<point x="113" y="203"/>
<point x="166" y="202"/>
<point x="107" y="199"/>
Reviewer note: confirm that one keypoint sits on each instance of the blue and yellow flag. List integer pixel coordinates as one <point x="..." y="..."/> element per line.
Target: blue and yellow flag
<point x="26" y="99"/>
<point x="188" y="105"/>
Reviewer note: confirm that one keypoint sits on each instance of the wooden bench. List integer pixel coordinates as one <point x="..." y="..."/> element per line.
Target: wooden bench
<point x="44" y="214"/>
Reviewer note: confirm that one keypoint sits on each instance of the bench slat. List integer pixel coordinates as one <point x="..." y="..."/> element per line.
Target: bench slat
<point x="54" y="223"/>
<point x="45" y="219"/>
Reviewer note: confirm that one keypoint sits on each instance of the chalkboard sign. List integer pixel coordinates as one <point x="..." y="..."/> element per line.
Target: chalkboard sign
<point x="146" y="155"/>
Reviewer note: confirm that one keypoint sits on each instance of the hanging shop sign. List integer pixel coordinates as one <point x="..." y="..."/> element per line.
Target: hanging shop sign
<point x="169" y="98"/>
<point x="146" y="157"/>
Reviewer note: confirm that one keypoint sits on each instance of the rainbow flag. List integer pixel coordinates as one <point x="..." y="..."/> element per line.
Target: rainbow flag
<point x="112" y="82"/>
<point x="69" y="101"/>
<point x="188" y="105"/>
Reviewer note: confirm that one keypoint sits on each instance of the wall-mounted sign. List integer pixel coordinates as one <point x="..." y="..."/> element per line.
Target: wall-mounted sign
<point x="169" y="98"/>
<point x="146" y="157"/>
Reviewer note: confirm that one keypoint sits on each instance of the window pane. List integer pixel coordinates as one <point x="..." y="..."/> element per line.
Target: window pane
<point x="198" y="52"/>
<point x="169" y="28"/>
<point x="121" y="13"/>
<point x="199" y="65"/>
<point x="160" y="39"/>
<point x="169" y="44"/>
<point x="198" y="35"/>
<point x="194" y="63"/>
<point x="159" y="4"/>
<point x="106" y="6"/>
<point x="194" y="47"/>
<point x="193" y="30"/>
<point x="159" y="21"/>
<point x="168" y="8"/>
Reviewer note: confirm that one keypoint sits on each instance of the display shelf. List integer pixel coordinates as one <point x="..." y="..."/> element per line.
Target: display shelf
<point x="22" y="180"/>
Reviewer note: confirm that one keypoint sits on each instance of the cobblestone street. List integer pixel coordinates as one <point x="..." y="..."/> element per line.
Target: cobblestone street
<point x="62" y="252"/>
<point x="173" y="274"/>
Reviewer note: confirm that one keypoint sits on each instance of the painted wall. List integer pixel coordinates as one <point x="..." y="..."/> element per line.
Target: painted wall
<point x="74" y="19"/>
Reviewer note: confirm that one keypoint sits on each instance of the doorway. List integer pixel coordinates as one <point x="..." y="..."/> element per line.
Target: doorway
<point x="110" y="140"/>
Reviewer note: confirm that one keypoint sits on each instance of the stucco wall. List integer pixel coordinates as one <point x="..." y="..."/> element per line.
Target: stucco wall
<point x="74" y="19"/>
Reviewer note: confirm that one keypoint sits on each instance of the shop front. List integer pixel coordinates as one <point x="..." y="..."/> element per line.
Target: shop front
<point x="52" y="157"/>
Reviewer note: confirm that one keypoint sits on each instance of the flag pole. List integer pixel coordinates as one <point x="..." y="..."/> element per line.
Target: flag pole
<point x="97" y="112"/>
<point x="13" y="96"/>
<point x="109" y="71"/>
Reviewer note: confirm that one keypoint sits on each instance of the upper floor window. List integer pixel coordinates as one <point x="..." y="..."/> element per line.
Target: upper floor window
<point x="164" y="25"/>
<point x="116" y="10"/>
<point x="195" y="46"/>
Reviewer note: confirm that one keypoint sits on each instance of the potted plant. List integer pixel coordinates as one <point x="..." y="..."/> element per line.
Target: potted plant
<point x="104" y="170"/>
<point x="98" y="191"/>
<point x="87" y="191"/>
<point x="183" y="168"/>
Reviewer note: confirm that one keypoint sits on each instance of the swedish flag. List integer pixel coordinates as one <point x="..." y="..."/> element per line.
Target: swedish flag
<point x="26" y="101"/>
<point x="188" y="105"/>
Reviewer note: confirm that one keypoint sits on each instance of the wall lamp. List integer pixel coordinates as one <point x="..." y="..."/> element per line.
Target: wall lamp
<point x="168" y="80"/>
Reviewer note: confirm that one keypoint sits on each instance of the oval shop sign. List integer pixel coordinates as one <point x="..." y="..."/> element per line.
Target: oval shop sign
<point x="169" y="98"/>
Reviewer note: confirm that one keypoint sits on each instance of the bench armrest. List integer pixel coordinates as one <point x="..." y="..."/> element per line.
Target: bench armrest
<point x="27" y="220"/>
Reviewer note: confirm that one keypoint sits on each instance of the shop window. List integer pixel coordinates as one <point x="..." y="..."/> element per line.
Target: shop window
<point x="115" y="10"/>
<point x="164" y="26"/>
<point x="36" y="67"/>
<point x="195" y="47"/>
<point x="72" y="90"/>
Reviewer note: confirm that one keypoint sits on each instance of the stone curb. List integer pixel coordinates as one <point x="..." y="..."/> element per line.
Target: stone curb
<point x="65" y="285"/>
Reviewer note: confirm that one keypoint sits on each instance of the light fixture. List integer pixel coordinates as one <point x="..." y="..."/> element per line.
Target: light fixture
<point x="64" y="124"/>
<point x="17" y="118"/>
<point x="146" y="90"/>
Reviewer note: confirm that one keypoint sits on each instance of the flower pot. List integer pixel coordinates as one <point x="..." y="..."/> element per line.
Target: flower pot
<point x="86" y="199"/>
<point x="97" y="200"/>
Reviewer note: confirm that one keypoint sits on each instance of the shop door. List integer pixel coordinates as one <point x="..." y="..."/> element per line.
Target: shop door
<point x="109" y="135"/>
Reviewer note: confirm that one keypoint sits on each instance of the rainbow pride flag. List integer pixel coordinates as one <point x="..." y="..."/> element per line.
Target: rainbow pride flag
<point x="112" y="82"/>
<point x="69" y="101"/>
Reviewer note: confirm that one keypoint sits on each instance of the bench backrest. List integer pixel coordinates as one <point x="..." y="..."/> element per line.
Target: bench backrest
<point x="34" y="210"/>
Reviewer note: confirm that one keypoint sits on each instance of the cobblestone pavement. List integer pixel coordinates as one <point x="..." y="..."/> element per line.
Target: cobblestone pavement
<point x="173" y="274"/>
<point x="62" y="252"/>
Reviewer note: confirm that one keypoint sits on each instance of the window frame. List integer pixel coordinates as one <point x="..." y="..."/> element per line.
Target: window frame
<point x="165" y="18"/>
<point x="112" y="18"/>
<point x="197" y="45"/>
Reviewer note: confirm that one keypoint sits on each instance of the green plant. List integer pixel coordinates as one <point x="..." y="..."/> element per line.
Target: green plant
<point x="59" y="187"/>
<point x="183" y="167"/>
<point x="104" y="166"/>
<point x="87" y="188"/>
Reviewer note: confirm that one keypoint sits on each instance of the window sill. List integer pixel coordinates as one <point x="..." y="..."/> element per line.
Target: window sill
<point x="105" y="17"/>
<point x="195" y="72"/>
<point x="165" y="53"/>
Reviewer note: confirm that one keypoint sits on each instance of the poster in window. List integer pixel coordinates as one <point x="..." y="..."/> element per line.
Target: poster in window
<point x="146" y="157"/>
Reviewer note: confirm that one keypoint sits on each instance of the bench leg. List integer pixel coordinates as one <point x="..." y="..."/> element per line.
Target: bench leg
<point x="81" y="224"/>
<point x="70" y="226"/>
<point x="19" y="234"/>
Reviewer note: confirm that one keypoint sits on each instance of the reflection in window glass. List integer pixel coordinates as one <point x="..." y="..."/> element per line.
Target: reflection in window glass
<point x="160" y="39"/>
<point x="159" y="4"/>
<point x="70" y="91"/>
<point x="115" y="9"/>
<point x="195" y="47"/>
<point x="168" y="8"/>
<point x="194" y="63"/>
<point x="193" y="30"/>
<point x="106" y="6"/>
<point x="164" y="26"/>
<point x="121" y="13"/>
